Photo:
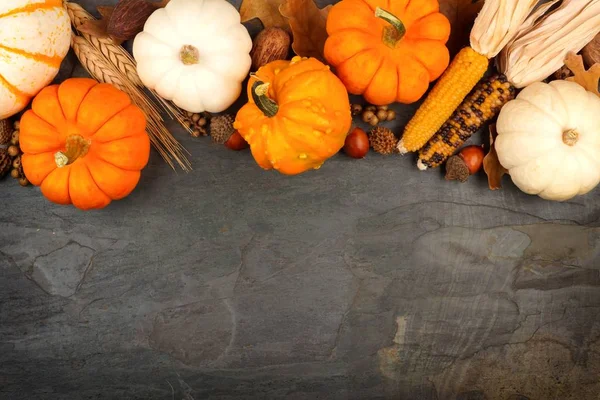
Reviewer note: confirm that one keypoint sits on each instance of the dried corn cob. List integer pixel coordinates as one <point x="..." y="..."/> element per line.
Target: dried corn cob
<point x="480" y="106"/>
<point x="495" y="26"/>
<point x="458" y="80"/>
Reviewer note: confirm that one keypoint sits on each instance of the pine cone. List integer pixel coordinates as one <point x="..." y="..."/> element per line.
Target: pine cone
<point x="221" y="128"/>
<point x="383" y="140"/>
<point x="5" y="162"/>
<point x="6" y="131"/>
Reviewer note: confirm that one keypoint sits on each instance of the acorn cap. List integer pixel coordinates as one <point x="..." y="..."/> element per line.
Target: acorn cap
<point x="221" y="128"/>
<point x="6" y="131"/>
<point x="383" y="140"/>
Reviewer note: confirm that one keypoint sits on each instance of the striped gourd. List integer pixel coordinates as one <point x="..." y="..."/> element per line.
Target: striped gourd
<point x="34" y="38"/>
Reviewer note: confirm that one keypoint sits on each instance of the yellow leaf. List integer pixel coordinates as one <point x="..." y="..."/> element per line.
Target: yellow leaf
<point x="308" y="24"/>
<point x="588" y="79"/>
<point x="265" y="10"/>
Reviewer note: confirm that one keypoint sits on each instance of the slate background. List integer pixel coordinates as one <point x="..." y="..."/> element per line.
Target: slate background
<point x="364" y="280"/>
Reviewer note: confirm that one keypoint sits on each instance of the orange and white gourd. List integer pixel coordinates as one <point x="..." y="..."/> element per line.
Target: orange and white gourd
<point x="34" y="39"/>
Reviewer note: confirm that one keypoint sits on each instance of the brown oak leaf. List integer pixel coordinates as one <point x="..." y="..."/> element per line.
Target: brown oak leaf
<point x="491" y="165"/>
<point x="308" y="24"/>
<point x="265" y="10"/>
<point x="589" y="79"/>
<point x="461" y="14"/>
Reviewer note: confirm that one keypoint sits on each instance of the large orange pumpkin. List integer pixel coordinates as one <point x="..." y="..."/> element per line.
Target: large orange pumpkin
<point x="84" y="143"/>
<point x="297" y="116"/>
<point x="387" y="50"/>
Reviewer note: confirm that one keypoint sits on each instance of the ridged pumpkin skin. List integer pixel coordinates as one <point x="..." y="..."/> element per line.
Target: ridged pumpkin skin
<point x="34" y="38"/>
<point x="312" y="120"/>
<point x="84" y="143"/>
<point x="359" y="49"/>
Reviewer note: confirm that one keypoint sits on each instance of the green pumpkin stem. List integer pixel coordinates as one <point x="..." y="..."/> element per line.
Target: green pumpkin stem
<point x="262" y="101"/>
<point x="75" y="146"/>
<point x="393" y="33"/>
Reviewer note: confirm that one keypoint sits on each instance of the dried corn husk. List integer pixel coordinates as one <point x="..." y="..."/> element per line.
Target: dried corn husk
<point x="540" y="50"/>
<point x="497" y="23"/>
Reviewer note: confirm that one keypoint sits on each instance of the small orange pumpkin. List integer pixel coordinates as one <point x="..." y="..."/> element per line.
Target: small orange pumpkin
<point x="84" y="143"/>
<point x="387" y="50"/>
<point x="297" y="116"/>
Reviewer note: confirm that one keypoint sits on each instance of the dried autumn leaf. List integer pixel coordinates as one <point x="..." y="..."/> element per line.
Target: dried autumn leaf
<point x="123" y="21"/>
<point x="591" y="52"/>
<point x="491" y="165"/>
<point x="265" y="10"/>
<point x="308" y="26"/>
<point x="461" y="14"/>
<point x="588" y="79"/>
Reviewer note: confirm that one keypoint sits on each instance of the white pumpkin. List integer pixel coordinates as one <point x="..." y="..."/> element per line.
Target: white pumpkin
<point x="549" y="140"/>
<point x="195" y="53"/>
<point x="35" y="36"/>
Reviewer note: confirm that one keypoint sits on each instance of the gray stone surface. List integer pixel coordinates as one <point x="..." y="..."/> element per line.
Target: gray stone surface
<point x="364" y="280"/>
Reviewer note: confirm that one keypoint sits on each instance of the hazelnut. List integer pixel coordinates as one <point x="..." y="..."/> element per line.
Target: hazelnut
<point x="368" y="115"/>
<point x="356" y="109"/>
<point x="13" y="151"/>
<point x="357" y="143"/>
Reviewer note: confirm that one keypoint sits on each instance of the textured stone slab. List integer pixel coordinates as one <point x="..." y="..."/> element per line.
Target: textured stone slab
<point x="364" y="280"/>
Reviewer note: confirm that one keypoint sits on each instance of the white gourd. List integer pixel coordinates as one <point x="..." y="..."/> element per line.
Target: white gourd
<point x="35" y="36"/>
<point x="195" y="53"/>
<point x="549" y="140"/>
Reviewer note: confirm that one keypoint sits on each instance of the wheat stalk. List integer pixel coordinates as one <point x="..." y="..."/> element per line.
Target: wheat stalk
<point x="94" y="65"/>
<point x="121" y="59"/>
<point x="109" y="63"/>
<point x="116" y="54"/>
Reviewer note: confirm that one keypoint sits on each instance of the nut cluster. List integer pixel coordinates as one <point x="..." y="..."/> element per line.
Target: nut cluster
<point x="197" y="123"/>
<point x="10" y="153"/>
<point x="373" y="115"/>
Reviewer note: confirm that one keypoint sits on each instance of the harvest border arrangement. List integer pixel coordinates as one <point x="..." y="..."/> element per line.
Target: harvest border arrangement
<point x="527" y="69"/>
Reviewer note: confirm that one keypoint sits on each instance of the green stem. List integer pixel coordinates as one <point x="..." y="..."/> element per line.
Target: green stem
<point x="393" y="33"/>
<point x="264" y="103"/>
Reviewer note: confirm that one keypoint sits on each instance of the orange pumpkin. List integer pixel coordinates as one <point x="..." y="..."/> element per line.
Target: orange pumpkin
<point x="84" y="143"/>
<point x="387" y="50"/>
<point x="297" y="116"/>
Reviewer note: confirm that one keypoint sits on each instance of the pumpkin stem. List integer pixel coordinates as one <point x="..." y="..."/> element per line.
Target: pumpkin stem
<point x="189" y="55"/>
<point x="76" y="146"/>
<point x="264" y="103"/>
<point x="393" y="33"/>
<point x="570" y="137"/>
